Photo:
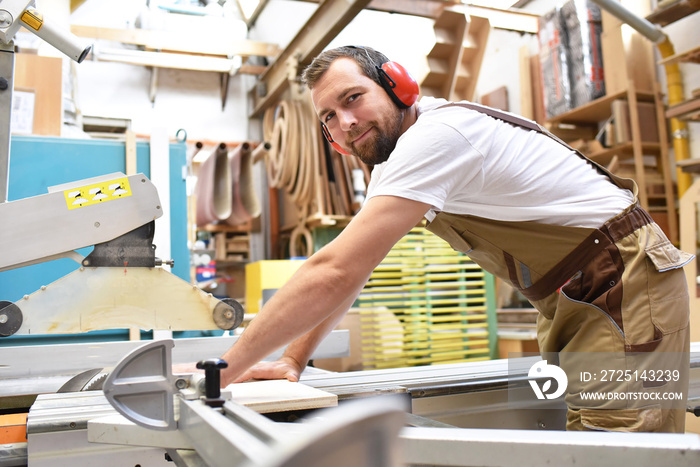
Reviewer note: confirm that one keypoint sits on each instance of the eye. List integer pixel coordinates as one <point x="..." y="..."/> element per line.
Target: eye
<point x="328" y="117"/>
<point x="353" y="97"/>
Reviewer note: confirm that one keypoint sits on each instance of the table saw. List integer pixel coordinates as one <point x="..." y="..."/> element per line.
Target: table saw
<point x="451" y="415"/>
<point x="454" y="414"/>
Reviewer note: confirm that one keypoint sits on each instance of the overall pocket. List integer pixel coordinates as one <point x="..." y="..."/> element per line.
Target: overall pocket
<point x="666" y="282"/>
<point x="599" y="283"/>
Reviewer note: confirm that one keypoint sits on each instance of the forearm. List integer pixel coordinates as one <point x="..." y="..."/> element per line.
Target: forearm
<point x="311" y="302"/>
<point x="300" y="350"/>
<point x="315" y="298"/>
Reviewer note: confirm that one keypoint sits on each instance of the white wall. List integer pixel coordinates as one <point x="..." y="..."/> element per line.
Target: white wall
<point x="185" y="99"/>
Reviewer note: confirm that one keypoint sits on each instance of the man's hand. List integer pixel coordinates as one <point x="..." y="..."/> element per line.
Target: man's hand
<point x="284" y="368"/>
<point x="185" y="368"/>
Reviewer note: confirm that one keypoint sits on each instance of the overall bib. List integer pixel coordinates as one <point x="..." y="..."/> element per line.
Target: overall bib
<point x="617" y="292"/>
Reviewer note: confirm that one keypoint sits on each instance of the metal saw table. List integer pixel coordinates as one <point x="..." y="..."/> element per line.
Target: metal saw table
<point x="447" y="415"/>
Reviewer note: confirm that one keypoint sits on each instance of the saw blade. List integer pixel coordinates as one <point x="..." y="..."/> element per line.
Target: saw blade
<point x="96" y="383"/>
<point x="78" y="382"/>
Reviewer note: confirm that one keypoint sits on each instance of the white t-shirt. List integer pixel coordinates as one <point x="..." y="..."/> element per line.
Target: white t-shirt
<point x="462" y="161"/>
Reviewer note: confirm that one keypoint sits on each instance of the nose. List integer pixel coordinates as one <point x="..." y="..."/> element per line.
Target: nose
<point x="346" y="120"/>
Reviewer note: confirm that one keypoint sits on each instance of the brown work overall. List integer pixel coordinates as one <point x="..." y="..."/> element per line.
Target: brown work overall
<point x="617" y="289"/>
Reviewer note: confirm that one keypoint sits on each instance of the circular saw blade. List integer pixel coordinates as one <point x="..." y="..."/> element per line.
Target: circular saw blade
<point x="96" y="383"/>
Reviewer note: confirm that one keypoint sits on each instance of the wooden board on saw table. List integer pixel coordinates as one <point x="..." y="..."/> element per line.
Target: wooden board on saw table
<point x="280" y="396"/>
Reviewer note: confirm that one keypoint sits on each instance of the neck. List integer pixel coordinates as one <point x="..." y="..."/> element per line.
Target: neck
<point x="410" y="115"/>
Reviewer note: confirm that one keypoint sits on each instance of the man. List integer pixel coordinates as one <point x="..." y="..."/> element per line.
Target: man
<point x="527" y="208"/>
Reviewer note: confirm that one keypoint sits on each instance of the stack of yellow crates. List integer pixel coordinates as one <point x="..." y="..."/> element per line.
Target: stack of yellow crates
<point x="427" y="304"/>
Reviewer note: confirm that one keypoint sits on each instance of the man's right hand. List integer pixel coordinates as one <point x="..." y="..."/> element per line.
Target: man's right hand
<point x="284" y="368"/>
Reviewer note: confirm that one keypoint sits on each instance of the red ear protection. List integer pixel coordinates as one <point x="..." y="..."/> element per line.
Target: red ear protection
<point x="335" y="145"/>
<point x="399" y="84"/>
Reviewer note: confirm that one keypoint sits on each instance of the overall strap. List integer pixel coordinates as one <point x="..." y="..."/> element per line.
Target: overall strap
<point x="531" y="125"/>
<point x="507" y="117"/>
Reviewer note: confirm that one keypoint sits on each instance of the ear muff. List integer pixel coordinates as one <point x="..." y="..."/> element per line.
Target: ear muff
<point x="399" y="84"/>
<point x="336" y="146"/>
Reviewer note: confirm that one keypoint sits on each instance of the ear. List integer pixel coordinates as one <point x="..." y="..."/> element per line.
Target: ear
<point x="336" y="146"/>
<point x="399" y="84"/>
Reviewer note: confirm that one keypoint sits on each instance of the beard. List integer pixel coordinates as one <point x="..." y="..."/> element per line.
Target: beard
<point x="379" y="146"/>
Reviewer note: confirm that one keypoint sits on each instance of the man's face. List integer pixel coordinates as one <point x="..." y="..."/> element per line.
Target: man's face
<point x="357" y="111"/>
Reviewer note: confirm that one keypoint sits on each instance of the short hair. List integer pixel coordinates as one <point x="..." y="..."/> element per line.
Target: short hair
<point x="367" y="58"/>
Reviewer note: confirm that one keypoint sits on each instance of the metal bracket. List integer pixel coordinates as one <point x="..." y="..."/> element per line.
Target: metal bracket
<point x="142" y="386"/>
<point x="133" y="249"/>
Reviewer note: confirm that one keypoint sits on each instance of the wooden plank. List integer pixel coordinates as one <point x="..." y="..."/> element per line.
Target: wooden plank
<point x="44" y="76"/>
<point x="631" y="55"/>
<point x="511" y="19"/>
<point x="130" y="148"/>
<point x="470" y="59"/>
<point x="498" y="98"/>
<point x="168" y="60"/>
<point x="597" y="110"/>
<point x="422" y="8"/>
<point x="445" y="56"/>
<point x="213" y="44"/>
<point x="688" y="110"/>
<point x="640" y="175"/>
<point x="664" y="164"/>
<point x="252" y="16"/>
<point x="689" y="165"/>
<point x="280" y="396"/>
<point x="538" y="111"/>
<point x="671" y="11"/>
<point x="526" y="85"/>
<point x="692" y="55"/>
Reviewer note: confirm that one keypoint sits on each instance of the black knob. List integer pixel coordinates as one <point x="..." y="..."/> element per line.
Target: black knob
<point x="212" y="377"/>
<point x="4" y="84"/>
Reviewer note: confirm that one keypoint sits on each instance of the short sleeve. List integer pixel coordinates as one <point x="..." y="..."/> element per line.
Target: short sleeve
<point x="431" y="161"/>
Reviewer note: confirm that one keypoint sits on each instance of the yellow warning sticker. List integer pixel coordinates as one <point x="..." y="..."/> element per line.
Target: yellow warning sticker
<point x="32" y="19"/>
<point x="97" y="193"/>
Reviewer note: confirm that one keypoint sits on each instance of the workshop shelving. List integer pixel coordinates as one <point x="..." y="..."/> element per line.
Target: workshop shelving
<point x="651" y="167"/>
<point x="455" y="59"/>
<point x="229" y="248"/>
<point x="689" y="109"/>
<point x="669" y="12"/>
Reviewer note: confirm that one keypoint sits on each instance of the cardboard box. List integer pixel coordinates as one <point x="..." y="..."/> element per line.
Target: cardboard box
<point x="263" y="278"/>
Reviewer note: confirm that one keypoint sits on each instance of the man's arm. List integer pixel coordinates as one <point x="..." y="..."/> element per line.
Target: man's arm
<point x="296" y="356"/>
<point x="324" y="287"/>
